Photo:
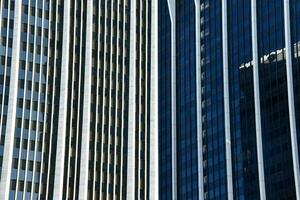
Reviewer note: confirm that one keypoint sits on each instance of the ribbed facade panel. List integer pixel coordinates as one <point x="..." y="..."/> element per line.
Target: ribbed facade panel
<point x="78" y="78"/>
<point x="77" y="42"/>
<point x="36" y="116"/>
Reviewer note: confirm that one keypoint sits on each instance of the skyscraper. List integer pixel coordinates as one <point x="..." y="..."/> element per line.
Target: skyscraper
<point x="228" y="86"/>
<point x="77" y="90"/>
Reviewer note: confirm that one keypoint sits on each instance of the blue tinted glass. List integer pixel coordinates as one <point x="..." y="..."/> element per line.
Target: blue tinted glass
<point x="277" y="153"/>
<point x="186" y="122"/>
<point x="164" y="102"/>
<point x="215" y="183"/>
<point x="242" y="114"/>
<point x="295" y="40"/>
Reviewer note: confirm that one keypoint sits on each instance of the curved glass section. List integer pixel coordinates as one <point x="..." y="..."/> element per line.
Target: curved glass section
<point x="295" y="44"/>
<point x="279" y="177"/>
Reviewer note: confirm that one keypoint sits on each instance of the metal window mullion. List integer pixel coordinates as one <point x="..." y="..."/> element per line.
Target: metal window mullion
<point x="260" y="160"/>
<point x="123" y="100"/>
<point x="199" y="100"/>
<point x="139" y="113"/>
<point x="85" y="140"/>
<point x="52" y="103"/>
<point x="103" y="100"/>
<point x="116" y="105"/>
<point x="31" y="102"/>
<point x="110" y="99"/>
<point x="63" y="107"/>
<point x="46" y="102"/>
<point x="71" y="133"/>
<point x="39" y="101"/>
<point x="147" y="54"/>
<point x="172" y="11"/>
<point x="97" y="103"/>
<point x="132" y="107"/>
<point x="23" y="106"/>
<point x="226" y="101"/>
<point x="96" y="136"/>
<point x="291" y="99"/>
<point x="78" y="105"/>
<point x="153" y="187"/>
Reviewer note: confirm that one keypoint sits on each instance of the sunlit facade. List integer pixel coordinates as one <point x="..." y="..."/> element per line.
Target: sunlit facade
<point x="77" y="91"/>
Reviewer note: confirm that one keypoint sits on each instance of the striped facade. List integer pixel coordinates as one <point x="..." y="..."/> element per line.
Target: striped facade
<point x="228" y="99"/>
<point x="78" y="99"/>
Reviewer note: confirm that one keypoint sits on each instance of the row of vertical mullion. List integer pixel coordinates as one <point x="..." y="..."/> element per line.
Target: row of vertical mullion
<point x="23" y="106"/>
<point x="52" y="102"/>
<point x="79" y="92"/>
<point x="86" y="109"/>
<point x="110" y="97"/>
<point x="61" y="151"/>
<point x="46" y="102"/>
<point x="12" y="105"/>
<point x="103" y="102"/>
<point x="38" y="108"/>
<point x="71" y="133"/>
<point x="97" y="100"/>
<point x="123" y="99"/>
<point x="31" y="103"/>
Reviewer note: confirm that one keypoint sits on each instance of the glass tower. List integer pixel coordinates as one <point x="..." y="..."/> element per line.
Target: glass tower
<point x="77" y="86"/>
<point x="228" y="86"/>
